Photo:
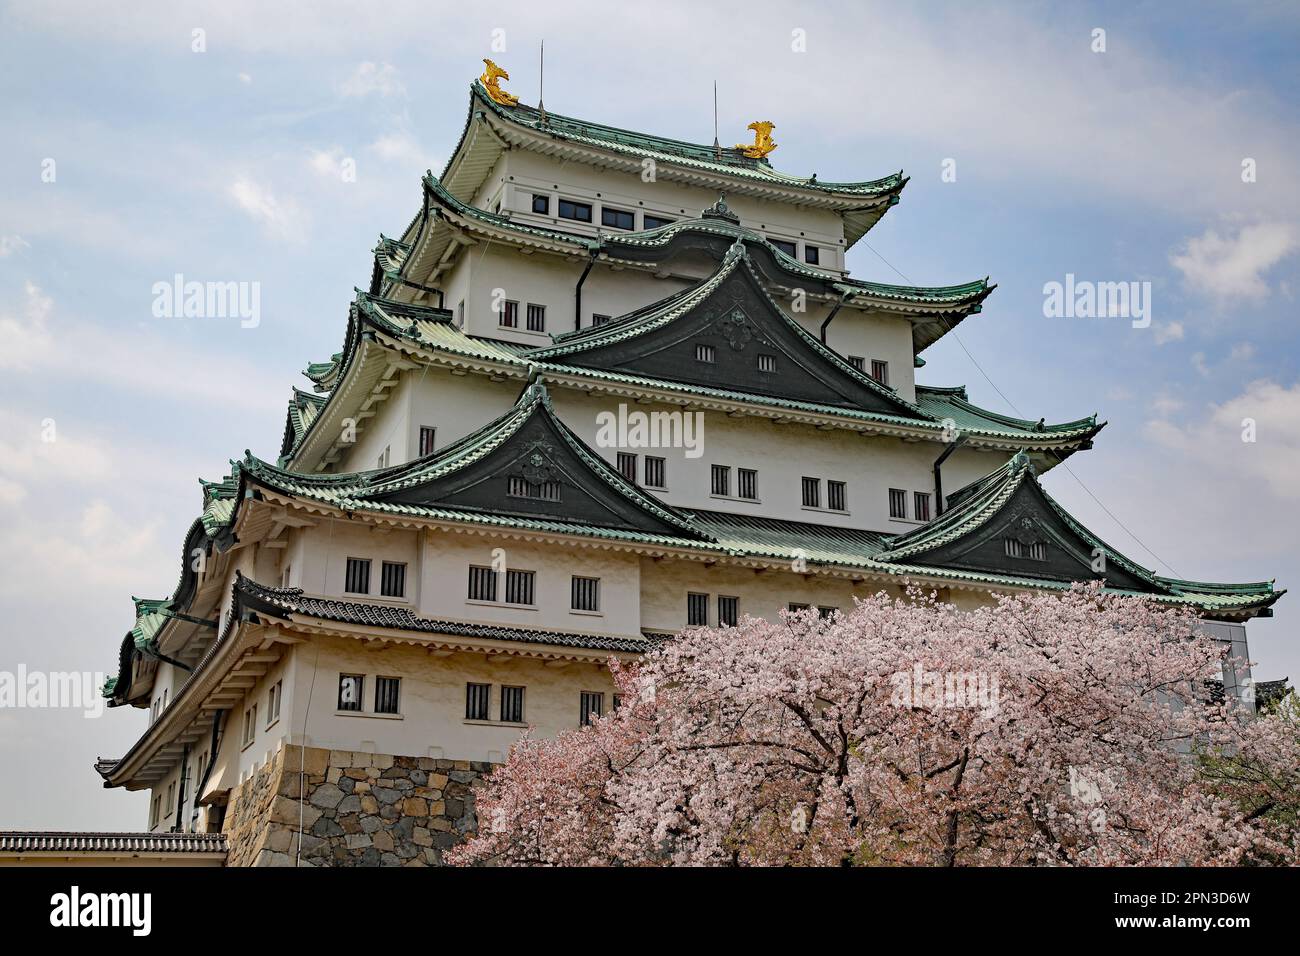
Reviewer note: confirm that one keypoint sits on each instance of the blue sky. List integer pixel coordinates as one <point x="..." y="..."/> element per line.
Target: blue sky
<point x="223" y="165"/>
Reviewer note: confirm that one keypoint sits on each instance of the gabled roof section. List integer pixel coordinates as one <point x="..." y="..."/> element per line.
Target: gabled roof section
<point x="303" y="409"/>
<point x="1007" y="523"/>
<point x="323" y="374"/>
<point x="733" y="315"/>
<point x="860" y="203"/>
<point x="952" y="403"/>
<point x="526" y="464"/>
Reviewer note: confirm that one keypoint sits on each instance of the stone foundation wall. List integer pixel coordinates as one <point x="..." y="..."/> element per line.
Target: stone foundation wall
<point x="356" y="809"/>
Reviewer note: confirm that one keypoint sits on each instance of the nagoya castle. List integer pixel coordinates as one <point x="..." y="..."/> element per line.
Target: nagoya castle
<point x="604" y="386"/>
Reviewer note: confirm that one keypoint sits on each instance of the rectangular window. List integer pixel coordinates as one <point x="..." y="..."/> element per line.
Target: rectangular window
<point x="697" y="609"/>
<point x="598" y="319"/>
<point x="858" y="362"/>
<point x="508" y="318"/>
<point x="460" y="314"/>
<point x="518" y="486"/>
<point x="880" y="371"/>
<point x="476" y="701"/>
<point x="512" y="705"/>
<point x="705" y="353"/>
<point x="590" y="706"/>
<point x="541" y="204"/>
<point x="812" y="492"/>
<point x="482" y="583"/>
<point x="386" y="694"/>
<point x="171" y="794"/>
<point x="618" y="218"/>
<point x="796" y="608"/>
<point x="826" y="613"/>
<point x="519" y="586"/>
<point x="897" y="503"/>
<point x="536" y="317"/>
<point x="649" y="221"/>
<point x="721" y="480"/>
<point x="153" y="814"/>
<point x="627" y="466"/>
<point x="358" y="576"/>
<point x="835" y="496"/>
<point x="427" y="436"/>
<point x="350" y="688"/>
<point x="1033" y="552"/>
<point x="273" y="702"/>
<point x="766" y="363"/>
<point x="921" y="500"/>
<point x="250" y="730"/>
<point x="384" y="457"/>
<point x="616" y="701"/>
<point x="728" y="610"/>
<point x="586" y="594"/>
<point x="655" y="472"/>
<point x="811" y="254"/>
<point x="747" y="484"/>
<point x="580" y="211"/>
<point x="787" y="247"/>
<point x="392" y="579"/>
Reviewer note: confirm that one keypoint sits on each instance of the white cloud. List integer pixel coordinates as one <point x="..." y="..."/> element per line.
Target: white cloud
<point x="245" y="78"/>
<point x="401" y="149"/>
<point x="11" y="244"/>
<point x="281" y="218"/>
<point x="1169" y="332"/>
<point x="1233" y="266"/>
<point x="370" y="77"/>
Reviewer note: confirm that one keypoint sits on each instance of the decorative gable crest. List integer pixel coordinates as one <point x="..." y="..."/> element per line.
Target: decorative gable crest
<point x="1026" y="529"/>
<point x="537" y="466"/>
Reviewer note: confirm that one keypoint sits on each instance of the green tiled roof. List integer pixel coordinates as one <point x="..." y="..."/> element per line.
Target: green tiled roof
<point x="729" y="161"/>
<point x="951" y="402"/>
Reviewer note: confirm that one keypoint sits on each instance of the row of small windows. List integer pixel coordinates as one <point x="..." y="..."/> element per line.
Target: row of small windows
<point x="697" y="609"/>
<point x="898" y="505"/>
<point x="521" y="588"/>
<point x="518" y="486"/>
<point x="824" y="612"/>
<point x="655" y="470"/>
<point x="478" y="704"/>
<point x="534" y="316"/>
<point x="352" y="694"/>
<point x="610" y="216"/>
<point x="811" y="254"/>
<point x="746" y="482"/>
<point x="879" y="368"/>
<point x="767" y="363"/>
<point x="836" y="494"/>
<point x="392" y="577"/>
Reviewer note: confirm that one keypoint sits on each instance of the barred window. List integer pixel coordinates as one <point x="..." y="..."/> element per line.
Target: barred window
<point x="350" y="688"/>
<point x="697" y="609"/>
<point x="921" y="502"/>
<point x="705" y="353"/>
<point x="476" y="701"/>
<point x="536" y="318"/>
<point x="826" y="613"/>
<point x="509" y="316"/>
<point x="427" y="435"/>
<point x="392" y="579"/>
<point x="655" y="472"/>
<point x="835" y="495"/>
<point x="585" y="594"/>
<point x="812" y="493"/>
<point x="766" y="363"/>
<point x="598" y="319"/>
<point x="728" y="610"/>
<point x="721" y="479"/>
<point x="482" y="583"/>
<point x="897" y="503"/>
<point x="1032" y="552"/>
<point x="590" y="706"/>
<point x="747" y="483"/>
<point x="880" y="371"/>
<point x="518" y="486"/>
<point x="627" y="466"/>
<point x="386" y="695"/>
<point x="358" y="576"/>
<point x="858" y="362"/>
<point x="519" y="586"/>
<point x="512" y="705"/>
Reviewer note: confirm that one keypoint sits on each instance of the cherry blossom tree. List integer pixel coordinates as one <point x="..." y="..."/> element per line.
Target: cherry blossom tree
<point x="1066" y="729"/>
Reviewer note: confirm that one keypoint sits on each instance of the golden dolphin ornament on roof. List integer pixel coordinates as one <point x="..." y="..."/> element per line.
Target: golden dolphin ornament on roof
<point x="762" y="144"/>
<point x="491" y="80"/>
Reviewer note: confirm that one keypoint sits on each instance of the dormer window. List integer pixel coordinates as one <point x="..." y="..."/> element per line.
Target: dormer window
<point x="1037" y="551"/>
